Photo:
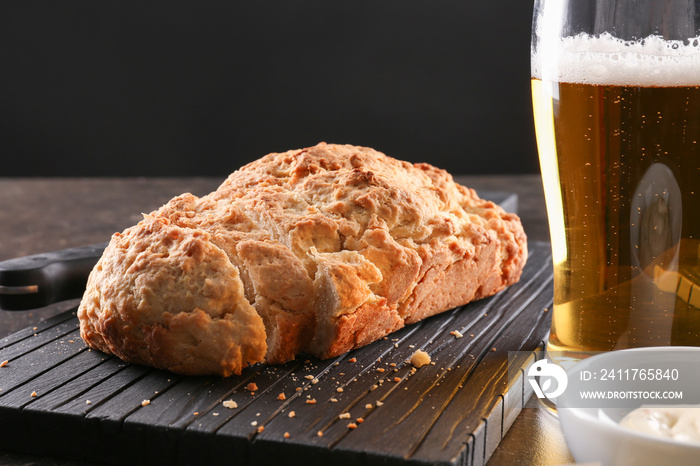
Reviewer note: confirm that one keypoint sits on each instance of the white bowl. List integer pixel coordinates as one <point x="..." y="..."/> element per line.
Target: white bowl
<point x="593" y="434"/>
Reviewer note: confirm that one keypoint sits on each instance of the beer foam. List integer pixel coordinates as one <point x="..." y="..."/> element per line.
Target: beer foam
<point x="606" y="60"/>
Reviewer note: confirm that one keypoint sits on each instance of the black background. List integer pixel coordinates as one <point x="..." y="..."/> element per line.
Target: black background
<point x="154" y="88"/>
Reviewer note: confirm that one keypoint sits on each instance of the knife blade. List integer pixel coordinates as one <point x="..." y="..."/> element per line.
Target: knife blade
<point x="39" y="280"/>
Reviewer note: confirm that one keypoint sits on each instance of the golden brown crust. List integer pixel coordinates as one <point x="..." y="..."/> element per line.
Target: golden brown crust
<point x="319" y="250"/>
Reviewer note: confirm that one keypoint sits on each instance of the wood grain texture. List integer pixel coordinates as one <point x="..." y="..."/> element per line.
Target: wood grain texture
<point x="454" y="411"/>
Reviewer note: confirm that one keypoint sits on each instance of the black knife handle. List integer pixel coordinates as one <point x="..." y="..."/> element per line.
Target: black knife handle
<point x="36" y="281"/>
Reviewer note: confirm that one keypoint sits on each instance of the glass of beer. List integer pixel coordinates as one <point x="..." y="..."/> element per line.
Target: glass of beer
<point x="616" y="96"/>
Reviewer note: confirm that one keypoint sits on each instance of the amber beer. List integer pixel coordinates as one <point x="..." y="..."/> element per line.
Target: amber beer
<point x="621" y="170"/>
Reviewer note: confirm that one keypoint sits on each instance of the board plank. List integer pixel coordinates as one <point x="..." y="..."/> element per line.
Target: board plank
<point x="451" y="412"/>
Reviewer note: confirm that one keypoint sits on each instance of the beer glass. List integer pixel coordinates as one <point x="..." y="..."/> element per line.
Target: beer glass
<point x="616" y="97"/>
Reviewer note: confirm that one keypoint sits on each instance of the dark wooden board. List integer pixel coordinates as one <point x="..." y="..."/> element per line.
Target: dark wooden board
<point x="57" y="397"/>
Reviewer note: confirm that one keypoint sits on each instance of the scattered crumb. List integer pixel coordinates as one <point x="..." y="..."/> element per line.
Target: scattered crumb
<point x="4" y="363"/>
<point x="71" y="341"/>
<point x="145" y="402"/>
<point x="380" y="369"/>
<point x="471" y="335"/>
<point x="281" y="397"/>
<point x="319" y="433"/>
<point x="87" y="402"/>
<point x="261" y="429"/>
<point x="359" y="420"/>
<point x="309" y="377"/>
<point x="373" y="387"/>
<point x="380" y="403"/>
<point x="411" y="346"/>
<point x="334" y="400"/>
<point x="254" y="423"/>
<point x="339" y="389"/>
<point x="312" y="401"/>
<point x="397" y="379"/>
<point x="352" y="359"/>
<point x="493" y="349"/>
<point x="546" y="309"/>
<point x="393" y="364"/>
<point x="420" y="358"/>
<point x="196" y="413"/>
<point x="292" y="414"/>
<point x="307" y="361"/>
<point x="230" y="404"/>
<point x="214" y="414"/>
<point x="314" y="381"/>
<point x="456" y="334"/>
<point x="352" y="425"/>
<point x="368" y="406"/>
<point x="396" y="345"/>
<point x="344" y="416"/>
<point x="286" y="435"/>
<point x="251" y="387"/>
<point x="298" y="389"/>
<point x="33" y="394"/>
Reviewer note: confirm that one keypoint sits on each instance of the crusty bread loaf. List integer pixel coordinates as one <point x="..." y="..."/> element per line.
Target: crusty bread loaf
<point x="319" y="251"/>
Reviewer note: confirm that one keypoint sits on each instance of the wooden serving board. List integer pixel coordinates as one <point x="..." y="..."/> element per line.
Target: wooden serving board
<point x="59" y="398"/>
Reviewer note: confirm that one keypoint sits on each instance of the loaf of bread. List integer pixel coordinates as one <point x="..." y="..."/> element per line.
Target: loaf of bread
<point x="316" y="251"/>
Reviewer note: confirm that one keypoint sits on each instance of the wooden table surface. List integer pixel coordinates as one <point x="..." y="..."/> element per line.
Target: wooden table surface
<point x="46" y="214"/>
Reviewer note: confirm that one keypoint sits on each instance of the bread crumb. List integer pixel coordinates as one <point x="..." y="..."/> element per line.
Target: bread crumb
<point x="87" y="402"/>
<point x="380" y="369"/>
<point x="493" y="349"/>
<point x="230" y="404"/>
<point x="34" y="394"/>
<point x="314" y="381"/>
<point x="456" y="334"/>
<point x="319" y="433"/>
<point x="4" y="363"/>
<point x="261" y="429"/>
<point x="359" y="420"/>
<point x="368" y="406"/>
<point x="145" y="402"/>
<point x="251" y="387"/>
<point x="312" y="401"/>
<point x="334" y="400"/>
<point x="393" y="364"/>
<point x="281" y="397"/>
<point x="339" y="389"/>
<point x="373" y="387"/>
<point x="214" y="414"/>
<point x="292" y="414"/>
<point x="309" y="377"/>
<point x="352" y="425"/>
<point x="344" y="416"/>
<point x="380" y="403"/>
<point x="420" y="358"/>
<point x="196" y="413"/>
<point x="352" y="359"/>
<point x="397" y="379"/>
<point x="286" y="435"/>
<point x="298" y="389"/>
<point x="254" y="423"/>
